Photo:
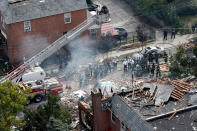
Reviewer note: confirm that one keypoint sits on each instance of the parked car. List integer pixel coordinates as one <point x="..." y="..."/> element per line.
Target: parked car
<point x="122" y="34"/>
<point x="92" y="7"/>
<point x="152" y="50"/>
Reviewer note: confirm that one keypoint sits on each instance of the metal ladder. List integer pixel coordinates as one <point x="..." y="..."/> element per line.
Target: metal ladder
<point x="16" y="74"/>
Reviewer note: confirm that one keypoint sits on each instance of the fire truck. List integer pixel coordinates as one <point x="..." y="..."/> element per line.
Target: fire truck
<point x="41" y="88"/>
<point x="29" y="75"/>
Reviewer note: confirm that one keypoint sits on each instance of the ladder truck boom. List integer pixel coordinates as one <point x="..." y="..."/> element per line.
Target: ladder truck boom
<point x="15" y="74"/>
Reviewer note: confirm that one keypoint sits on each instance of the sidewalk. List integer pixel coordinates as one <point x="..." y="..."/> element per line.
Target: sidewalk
<point x="169" y="45"/>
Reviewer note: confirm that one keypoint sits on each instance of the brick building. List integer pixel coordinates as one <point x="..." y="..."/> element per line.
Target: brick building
<point x="111" y="114"/>
<point x="27" y="26"/>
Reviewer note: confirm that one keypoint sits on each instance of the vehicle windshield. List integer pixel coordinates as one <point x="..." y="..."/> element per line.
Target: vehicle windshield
<point x="158" y="47"/>
<point x="143" y="51"/>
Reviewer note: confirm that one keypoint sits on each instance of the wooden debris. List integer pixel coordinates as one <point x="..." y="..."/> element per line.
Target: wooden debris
<point x="180" y="89"/>
<point x="174" y="113"/>
<point x="164" y="68"/>
<point x="133" y="94"/>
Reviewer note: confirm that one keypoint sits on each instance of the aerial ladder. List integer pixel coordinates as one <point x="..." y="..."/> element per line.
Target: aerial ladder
<point x="15" y="74"/>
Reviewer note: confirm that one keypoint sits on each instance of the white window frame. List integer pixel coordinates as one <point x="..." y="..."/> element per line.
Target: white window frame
<point x="67" y="18"/>
<point x="27" y="26"/>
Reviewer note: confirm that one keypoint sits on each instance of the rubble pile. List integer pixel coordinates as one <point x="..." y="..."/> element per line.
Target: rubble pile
<point x="181" y="87"/>
<point x="122" y="82"/>
<point x="164" y="68"/>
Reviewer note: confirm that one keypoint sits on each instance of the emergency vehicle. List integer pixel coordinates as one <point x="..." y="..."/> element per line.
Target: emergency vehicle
<point x="41" y="88"/>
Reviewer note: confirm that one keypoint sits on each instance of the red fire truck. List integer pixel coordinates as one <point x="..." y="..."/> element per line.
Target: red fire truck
<point x="41" y="88"/>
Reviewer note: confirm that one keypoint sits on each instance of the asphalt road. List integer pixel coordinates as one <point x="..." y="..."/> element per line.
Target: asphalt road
<point x="121" y="14"/>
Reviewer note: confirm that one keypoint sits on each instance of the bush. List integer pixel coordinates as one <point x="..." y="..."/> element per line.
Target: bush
<point x="155" y="10"/>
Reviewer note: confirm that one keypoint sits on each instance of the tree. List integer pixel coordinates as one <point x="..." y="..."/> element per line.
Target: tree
<point x="105" y="43"/>
<point x="141" y="34"/>
<point x="57" y="125"/>
<point x="183" y="64"/>
<point x="195" y="50"/>
<point x="12" y="101"/>
<point x="49" y="112"/>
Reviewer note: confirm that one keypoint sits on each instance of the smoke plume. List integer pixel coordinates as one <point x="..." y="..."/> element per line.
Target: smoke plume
<point x="83" y="51"/>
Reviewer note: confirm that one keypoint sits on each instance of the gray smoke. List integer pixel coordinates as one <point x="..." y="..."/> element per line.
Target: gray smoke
<point x="83" y="52"/>
<point x="31" y="45"/>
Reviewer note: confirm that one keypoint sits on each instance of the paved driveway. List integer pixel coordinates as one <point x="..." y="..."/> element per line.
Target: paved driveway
<point x="120" y="13"/>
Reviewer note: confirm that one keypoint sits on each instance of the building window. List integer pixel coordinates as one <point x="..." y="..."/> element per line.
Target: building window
<point x="113" y="118"/>
<point x="27" y="26"/>
<point x="67" y="18"/>
<point x="93" y="32"/>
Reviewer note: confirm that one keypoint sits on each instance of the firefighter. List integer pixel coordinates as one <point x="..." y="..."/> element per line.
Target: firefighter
<point x="129" y="64"/>
<point x="153" y="69"/>
<point x="158" y="72"/>
<point x="115" y="63"/>
<point x="132" y="64"/>
<point x="95" y="71"/>
<point x="90" y="70"/>
<point x="108" y="65"/>
<point x="150" y="57"/>
<point x="165" y="57"/>
<point x="137" y="70"/>
<point x="80" y="80"/>
<point x="87" y="77"/>
<point x="156" y="58"/>
<point x="148" y="67"/>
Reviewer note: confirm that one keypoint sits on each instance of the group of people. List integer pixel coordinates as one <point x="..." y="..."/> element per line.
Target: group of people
<point x="165" y="34"/>
<point x="128" y="64"/>
<point x="154" y="66"/>
<point x="146" y="65"/>
<point x="137" y="67"/>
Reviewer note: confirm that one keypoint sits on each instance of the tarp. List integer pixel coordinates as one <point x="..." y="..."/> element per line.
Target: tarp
<point x="107" y="28"/>
<point x="106" y="87"/>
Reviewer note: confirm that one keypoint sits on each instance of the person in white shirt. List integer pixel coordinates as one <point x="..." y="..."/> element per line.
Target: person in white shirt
<point x="125" y="65"/>
<point x="115" y="63"/>
<point x="129" y="64"/>
<point x="132" y="63"/>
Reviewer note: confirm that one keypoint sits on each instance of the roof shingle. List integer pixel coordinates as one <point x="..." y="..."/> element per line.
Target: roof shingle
<point x="32" y="9"/>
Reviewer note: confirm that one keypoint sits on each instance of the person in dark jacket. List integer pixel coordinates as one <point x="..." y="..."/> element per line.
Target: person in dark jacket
<point x="173" y="33"/>
<point x="165" y="34"/>
<point x="153" y="69"/>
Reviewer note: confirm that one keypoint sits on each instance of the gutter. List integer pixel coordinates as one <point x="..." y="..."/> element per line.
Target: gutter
<point x="171" y="112"/>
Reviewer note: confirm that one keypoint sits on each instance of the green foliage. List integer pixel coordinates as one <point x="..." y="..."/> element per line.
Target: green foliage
<point x="141" y="35"/>
<point x="106" y="43"/>
<point x="57" y="125"/>
<point x="12" y="101"/>
<point x="182" y="64"/>
<point x="195" y="50"/>
<point x="155" y="10"/>
<point x="49" y="112"/>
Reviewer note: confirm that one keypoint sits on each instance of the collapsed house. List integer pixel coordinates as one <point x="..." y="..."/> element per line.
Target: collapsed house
<point x="111" y="114"/>
<point x="149" y="101"/>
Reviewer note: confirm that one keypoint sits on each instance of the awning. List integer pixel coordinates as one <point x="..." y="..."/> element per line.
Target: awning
<point x="106" y="28"/>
